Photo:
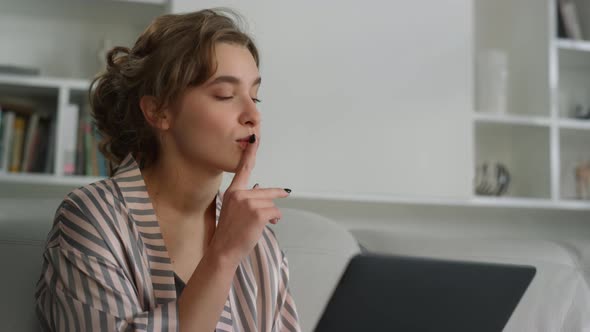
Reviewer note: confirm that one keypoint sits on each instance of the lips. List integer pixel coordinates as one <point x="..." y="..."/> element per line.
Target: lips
<point x="244" y="139"/>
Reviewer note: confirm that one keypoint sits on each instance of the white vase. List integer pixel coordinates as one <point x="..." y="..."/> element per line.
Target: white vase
<point x="492" y="81"/>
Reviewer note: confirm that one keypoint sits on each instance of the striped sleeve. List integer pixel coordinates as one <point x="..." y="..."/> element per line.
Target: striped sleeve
<point x="83" y="288"/>
<point x="286" y="315"/>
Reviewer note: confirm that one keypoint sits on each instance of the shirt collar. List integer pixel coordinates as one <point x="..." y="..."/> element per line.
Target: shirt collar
<point x="135" y="185"/>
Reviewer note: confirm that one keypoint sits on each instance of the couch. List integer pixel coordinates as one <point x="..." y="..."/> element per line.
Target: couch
<point x="318" y="250"/>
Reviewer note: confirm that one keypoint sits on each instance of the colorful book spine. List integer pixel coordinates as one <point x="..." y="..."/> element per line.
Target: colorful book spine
<point x="69" y="137"/>
<point x="80" y="151"/>
<point x="8" y="119"/>
<point x="29" y="143"/>
<point x="50" y="157"/>
<point x="17" y="144"/>
<point x="90" y="155"/>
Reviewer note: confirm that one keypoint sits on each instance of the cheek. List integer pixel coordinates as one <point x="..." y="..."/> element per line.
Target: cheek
<point x="200" y="131"/>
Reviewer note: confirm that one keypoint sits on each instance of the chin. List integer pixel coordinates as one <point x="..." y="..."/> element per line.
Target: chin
<point x="229" y="166"/>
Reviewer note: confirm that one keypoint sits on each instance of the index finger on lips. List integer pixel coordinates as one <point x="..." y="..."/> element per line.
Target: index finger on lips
<point x="247" y="163"/>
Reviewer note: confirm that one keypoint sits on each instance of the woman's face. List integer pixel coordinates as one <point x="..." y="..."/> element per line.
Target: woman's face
<point x="211" y="118"/>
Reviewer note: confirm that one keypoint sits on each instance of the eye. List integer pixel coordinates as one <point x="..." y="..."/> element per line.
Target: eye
<point x="223" y="97"/>
<point x="256" y="100"/>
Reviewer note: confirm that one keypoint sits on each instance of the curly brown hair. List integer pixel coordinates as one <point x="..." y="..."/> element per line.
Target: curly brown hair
<point x="175" y="52"/>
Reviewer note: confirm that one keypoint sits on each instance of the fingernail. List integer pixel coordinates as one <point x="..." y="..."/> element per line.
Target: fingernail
<point x="256" y="185"/>
<point x="287" y="190"/>
<point x="252" y="139"/>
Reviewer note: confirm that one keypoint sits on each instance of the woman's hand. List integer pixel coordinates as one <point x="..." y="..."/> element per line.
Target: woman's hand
<point x="245" y="212"/>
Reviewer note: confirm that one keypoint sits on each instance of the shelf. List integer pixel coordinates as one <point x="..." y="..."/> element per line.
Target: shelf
<point x="474" y="202"/>
<point x="44" y="82"/>
<point x="523" y="150"/>
<point x="573" y="151"/>
<point x="574" y="124"/>
<point x="152" y="2"/>
<point x="46" y="179"/>
<point x="512" y="119"/>
<point x="575" y="45"/>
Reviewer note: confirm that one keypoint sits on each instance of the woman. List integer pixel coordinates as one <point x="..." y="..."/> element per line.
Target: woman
<point x="151" y="248"/>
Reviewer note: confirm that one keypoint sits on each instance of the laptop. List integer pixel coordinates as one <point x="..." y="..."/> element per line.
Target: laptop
<point x="395" y="293"/>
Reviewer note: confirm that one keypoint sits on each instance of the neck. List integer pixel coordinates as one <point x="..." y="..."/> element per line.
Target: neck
<point x="182" y="190"/>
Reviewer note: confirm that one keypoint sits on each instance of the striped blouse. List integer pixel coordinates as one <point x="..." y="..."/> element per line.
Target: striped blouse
<point x="105" y="268"/>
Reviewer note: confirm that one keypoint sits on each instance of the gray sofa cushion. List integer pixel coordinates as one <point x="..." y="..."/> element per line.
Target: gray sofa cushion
<point x="318" y="250"/>
<point x="21" y="250"/>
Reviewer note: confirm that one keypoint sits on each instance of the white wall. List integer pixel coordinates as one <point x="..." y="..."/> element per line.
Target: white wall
<point x="62" y="37"/>
<point x="411" y="109"/>
<point x="405" y="92"/>
<point x="370" y="97"/>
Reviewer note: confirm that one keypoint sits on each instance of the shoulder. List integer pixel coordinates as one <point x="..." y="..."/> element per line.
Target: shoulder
<point x="98" y="204"/>
<point x="88" y="220"/>
<point x="94" y="196"/>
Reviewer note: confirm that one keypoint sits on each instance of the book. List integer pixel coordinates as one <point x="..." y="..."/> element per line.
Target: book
<point x="69" y="137"/>
<point x="41" y="146"/>
<point x="50" y="157"/>
<point x="19" y="70"/>
<point x="1" y="135"/>
<point x="561" y="33"/>
<point x="17" y="144"/>
<point x="90" y="148"/>
<point x="80" y="144"/>
<point x="31" y="132"/>
<point x="569" y="13"/>
<point x="21" y="106"/>
<point x="7" y="136"/>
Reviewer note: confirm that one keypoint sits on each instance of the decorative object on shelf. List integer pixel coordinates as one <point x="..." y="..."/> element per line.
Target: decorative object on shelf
<point x="582" y="174"/>
<point x="492" y="81"/>
<point x="568" y="13"/>
<point x="18" y="70"/>
<point x="491" y="179"/>
<point x="579" y="112"/>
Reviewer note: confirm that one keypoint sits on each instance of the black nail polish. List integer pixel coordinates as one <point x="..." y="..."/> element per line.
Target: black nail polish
<point x="252" y="139"/>
<point x="287" y="190"/>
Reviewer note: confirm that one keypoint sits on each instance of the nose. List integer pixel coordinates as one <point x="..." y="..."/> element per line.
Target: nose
<point x="250" y="115"/>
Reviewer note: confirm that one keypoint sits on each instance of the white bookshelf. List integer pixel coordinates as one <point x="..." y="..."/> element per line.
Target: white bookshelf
<point x="78" y="28"/>
<point x="576" y="45"/>
<point x="53" y="95"/>
<point x="46" y="179"/>
<point x="536" y="138"/>
<point x="510" y="119"/>
<point x="574" y="124"/>
<point x="474" y="202"/>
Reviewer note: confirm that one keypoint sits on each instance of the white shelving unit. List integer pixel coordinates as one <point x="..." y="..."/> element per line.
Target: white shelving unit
<point x="509" y="119"/>
<point x="475" y="202"/>
<point x="54" y="94"/>
<point x="536" y="138"/>
<point x="575" y="45"/>
<point x="79" y="29"/>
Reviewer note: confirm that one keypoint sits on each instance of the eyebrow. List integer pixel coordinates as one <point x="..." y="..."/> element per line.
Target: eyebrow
<point x="232" y="80"/>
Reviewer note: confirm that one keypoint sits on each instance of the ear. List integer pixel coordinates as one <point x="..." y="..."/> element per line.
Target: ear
<point x="157" y="118"/>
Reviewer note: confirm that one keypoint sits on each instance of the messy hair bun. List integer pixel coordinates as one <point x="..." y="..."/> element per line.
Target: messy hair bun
<point x="173" y="53"/>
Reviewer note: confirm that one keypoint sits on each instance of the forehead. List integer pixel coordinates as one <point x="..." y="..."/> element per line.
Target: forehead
<point x="235" y="60"/>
